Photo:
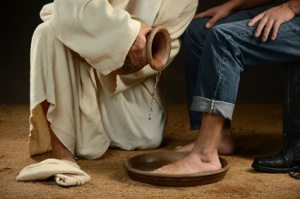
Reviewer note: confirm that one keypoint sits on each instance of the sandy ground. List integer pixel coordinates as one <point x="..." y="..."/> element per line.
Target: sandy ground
<point x="256" y="131"/>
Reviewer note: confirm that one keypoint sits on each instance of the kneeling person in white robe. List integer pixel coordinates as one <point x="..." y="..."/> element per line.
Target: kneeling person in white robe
<point x="79" y="106"/>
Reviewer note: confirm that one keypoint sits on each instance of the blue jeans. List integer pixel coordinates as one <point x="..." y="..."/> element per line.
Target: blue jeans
<point x="215" y="58"/>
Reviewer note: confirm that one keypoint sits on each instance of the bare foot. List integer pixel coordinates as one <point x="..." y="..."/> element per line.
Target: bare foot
<point x="193" y="163"/>
<point x="226" y="146"/>
<point x="185" y="148"/>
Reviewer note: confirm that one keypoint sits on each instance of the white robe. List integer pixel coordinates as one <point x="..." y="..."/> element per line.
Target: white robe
<point x="73" y="53"/>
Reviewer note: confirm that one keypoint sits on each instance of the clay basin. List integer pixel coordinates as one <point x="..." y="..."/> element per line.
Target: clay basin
<point x="140" y="168"/>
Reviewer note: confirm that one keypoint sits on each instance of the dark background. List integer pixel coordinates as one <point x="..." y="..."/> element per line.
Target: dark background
<point x="261" y="84"/>
<point x="16" y="31"/>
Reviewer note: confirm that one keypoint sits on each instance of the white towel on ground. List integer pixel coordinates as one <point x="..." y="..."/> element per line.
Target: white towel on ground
<point x="66" y="173"/>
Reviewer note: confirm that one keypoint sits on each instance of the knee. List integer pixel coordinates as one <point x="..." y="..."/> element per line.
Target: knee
<point x="42" y="32"/>
<point x="221" y="37"/>
<point x="44" y="42"/>
<point x="41" y="29"/>
<point x="218" y="34"/>
<point x="195" y="33"/>
<point x="230" y="32"/>
<point x="194" y="39"/>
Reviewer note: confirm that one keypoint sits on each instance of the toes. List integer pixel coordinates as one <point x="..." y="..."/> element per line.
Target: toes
<point x="164" y="170"/>
<point x="178" y="147"/>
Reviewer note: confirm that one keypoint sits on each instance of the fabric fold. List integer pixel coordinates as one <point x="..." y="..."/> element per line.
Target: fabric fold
<point x="72" y="55"/>
<point x="65" y="173"/>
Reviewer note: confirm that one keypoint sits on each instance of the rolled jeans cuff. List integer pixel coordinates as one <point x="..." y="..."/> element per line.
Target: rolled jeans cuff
<point x="215" y="107"/>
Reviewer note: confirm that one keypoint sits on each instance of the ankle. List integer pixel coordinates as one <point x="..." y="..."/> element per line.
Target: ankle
<point x="62" y="153"/>
<point x="206" y="155"/>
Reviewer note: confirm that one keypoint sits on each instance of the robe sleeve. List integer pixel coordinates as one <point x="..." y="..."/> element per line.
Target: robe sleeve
<point x="176" y="25"/>
<point x="99" y="33"/>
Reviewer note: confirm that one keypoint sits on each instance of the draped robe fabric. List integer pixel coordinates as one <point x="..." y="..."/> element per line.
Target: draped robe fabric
<point x="73" y="53"/>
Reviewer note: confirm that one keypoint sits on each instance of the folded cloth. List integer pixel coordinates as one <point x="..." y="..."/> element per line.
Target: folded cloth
<point x="66" y="173"/>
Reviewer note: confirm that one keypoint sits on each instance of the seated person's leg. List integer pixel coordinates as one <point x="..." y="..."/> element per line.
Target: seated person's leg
<point x="193" y="43"/>
<point x="215" y="94"/>
<point x="194" y="39"/>
<point x="228" y="48"/>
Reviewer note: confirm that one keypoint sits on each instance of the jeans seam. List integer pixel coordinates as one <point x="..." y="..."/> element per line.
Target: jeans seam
<point x="239" y="53"/>
<point x="220" y="72"/>
<point x="293" y="29"/>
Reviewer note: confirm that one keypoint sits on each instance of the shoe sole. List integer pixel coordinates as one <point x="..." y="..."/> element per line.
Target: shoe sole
<point x="276" y="170"/>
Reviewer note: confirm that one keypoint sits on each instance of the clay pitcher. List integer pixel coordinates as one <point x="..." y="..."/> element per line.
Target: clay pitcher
<point x="158" y="48"/>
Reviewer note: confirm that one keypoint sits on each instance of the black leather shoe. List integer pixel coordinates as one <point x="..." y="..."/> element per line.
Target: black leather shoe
<point x="288" y="160"/>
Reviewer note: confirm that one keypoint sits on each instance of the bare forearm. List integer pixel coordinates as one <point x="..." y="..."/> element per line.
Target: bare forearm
<point x="294" y="6"/>
<point x="245" y="4"/>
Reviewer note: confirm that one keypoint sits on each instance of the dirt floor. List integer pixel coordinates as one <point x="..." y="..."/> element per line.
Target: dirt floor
<point x="256" y="130"/>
